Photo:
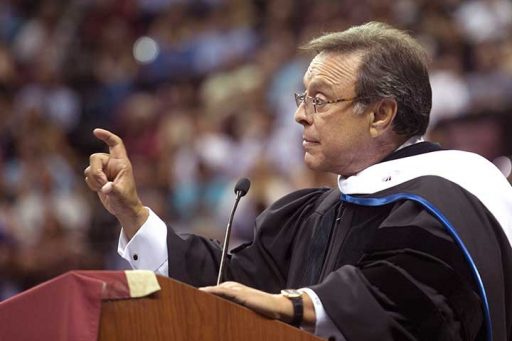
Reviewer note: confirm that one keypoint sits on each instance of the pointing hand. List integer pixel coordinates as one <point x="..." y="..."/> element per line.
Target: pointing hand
<point x="111" y="176"/>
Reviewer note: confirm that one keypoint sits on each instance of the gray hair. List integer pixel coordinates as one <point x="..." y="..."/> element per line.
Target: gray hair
<point x="393" y="65"/>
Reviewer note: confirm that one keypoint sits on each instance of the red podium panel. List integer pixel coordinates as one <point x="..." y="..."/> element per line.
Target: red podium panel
<point x="98" y="305"/>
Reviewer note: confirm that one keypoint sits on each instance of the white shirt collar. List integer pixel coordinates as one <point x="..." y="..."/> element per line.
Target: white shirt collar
<point x="410" y="142"/>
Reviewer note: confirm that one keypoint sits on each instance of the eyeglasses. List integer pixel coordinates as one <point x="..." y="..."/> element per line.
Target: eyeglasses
<point x="317" y="102"/>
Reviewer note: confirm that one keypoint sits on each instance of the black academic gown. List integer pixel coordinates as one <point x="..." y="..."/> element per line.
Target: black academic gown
<point x="391" y="271"/>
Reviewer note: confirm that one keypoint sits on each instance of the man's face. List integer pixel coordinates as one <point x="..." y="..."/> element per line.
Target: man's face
<point x="335" y="138"/>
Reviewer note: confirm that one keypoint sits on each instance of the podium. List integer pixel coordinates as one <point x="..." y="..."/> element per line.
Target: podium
<point x="99" y="305"/>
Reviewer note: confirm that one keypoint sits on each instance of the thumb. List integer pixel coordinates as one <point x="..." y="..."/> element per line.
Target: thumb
<point x="108" y="188"/>
<point x="114" y="189"/>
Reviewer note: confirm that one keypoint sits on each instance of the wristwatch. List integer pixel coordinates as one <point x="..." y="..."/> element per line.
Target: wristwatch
<point x="298" y="306"/>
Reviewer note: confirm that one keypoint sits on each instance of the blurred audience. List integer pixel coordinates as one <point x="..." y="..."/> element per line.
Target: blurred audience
<point x="202" y="93"/>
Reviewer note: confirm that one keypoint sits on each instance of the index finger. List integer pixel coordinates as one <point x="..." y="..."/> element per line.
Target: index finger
<point x="115" y="143"/>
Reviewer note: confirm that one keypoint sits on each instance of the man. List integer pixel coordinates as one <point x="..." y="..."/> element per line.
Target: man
<point x="414" y="246"/>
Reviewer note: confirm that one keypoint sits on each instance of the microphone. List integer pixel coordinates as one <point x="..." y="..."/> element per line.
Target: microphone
<point x="241" y="189"/>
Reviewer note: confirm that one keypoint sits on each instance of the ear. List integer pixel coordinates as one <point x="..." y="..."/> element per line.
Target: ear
<point x="382" y="116"/>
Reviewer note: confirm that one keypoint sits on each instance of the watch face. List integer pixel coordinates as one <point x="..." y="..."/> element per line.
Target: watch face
<point x="291" y="293"/>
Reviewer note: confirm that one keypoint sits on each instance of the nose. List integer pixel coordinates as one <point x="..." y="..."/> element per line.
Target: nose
<point x="301" y="117"/>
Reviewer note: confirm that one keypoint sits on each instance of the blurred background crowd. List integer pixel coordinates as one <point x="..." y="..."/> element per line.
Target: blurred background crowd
<point x="201" y="91"/>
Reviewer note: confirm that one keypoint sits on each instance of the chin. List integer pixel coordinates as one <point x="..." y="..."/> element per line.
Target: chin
<point x="321" y="165"/>
<point x="314" y="163"/>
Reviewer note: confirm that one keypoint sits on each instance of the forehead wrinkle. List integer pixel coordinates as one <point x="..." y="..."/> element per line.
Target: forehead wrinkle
<point x="319" y="84"/>
<point x="332" y="70"/>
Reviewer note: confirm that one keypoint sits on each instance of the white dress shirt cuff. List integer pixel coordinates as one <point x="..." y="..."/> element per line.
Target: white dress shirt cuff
<point x="147" y="250"/>
<point x="324" y="327"/>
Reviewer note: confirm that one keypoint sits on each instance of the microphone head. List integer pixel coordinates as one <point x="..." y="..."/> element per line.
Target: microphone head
<point x="242" y="186"/>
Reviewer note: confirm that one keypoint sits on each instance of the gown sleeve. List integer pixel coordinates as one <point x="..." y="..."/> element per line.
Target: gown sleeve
<point x="411" y="284"/>
<point x="262" y="264"/>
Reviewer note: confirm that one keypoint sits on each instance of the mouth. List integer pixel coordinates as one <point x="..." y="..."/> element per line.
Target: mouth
<point x="308" y="142"/>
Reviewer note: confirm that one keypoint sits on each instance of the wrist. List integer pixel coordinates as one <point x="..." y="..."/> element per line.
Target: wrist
<point x="133" y="220"/>
<point x="294" y="317"/>
<point x="285" y="311"/>
<point x="309" y="311"/>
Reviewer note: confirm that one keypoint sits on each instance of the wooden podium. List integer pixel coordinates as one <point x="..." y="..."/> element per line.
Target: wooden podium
<point x="98" y="305"/>
<point x="181" y="312"/>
